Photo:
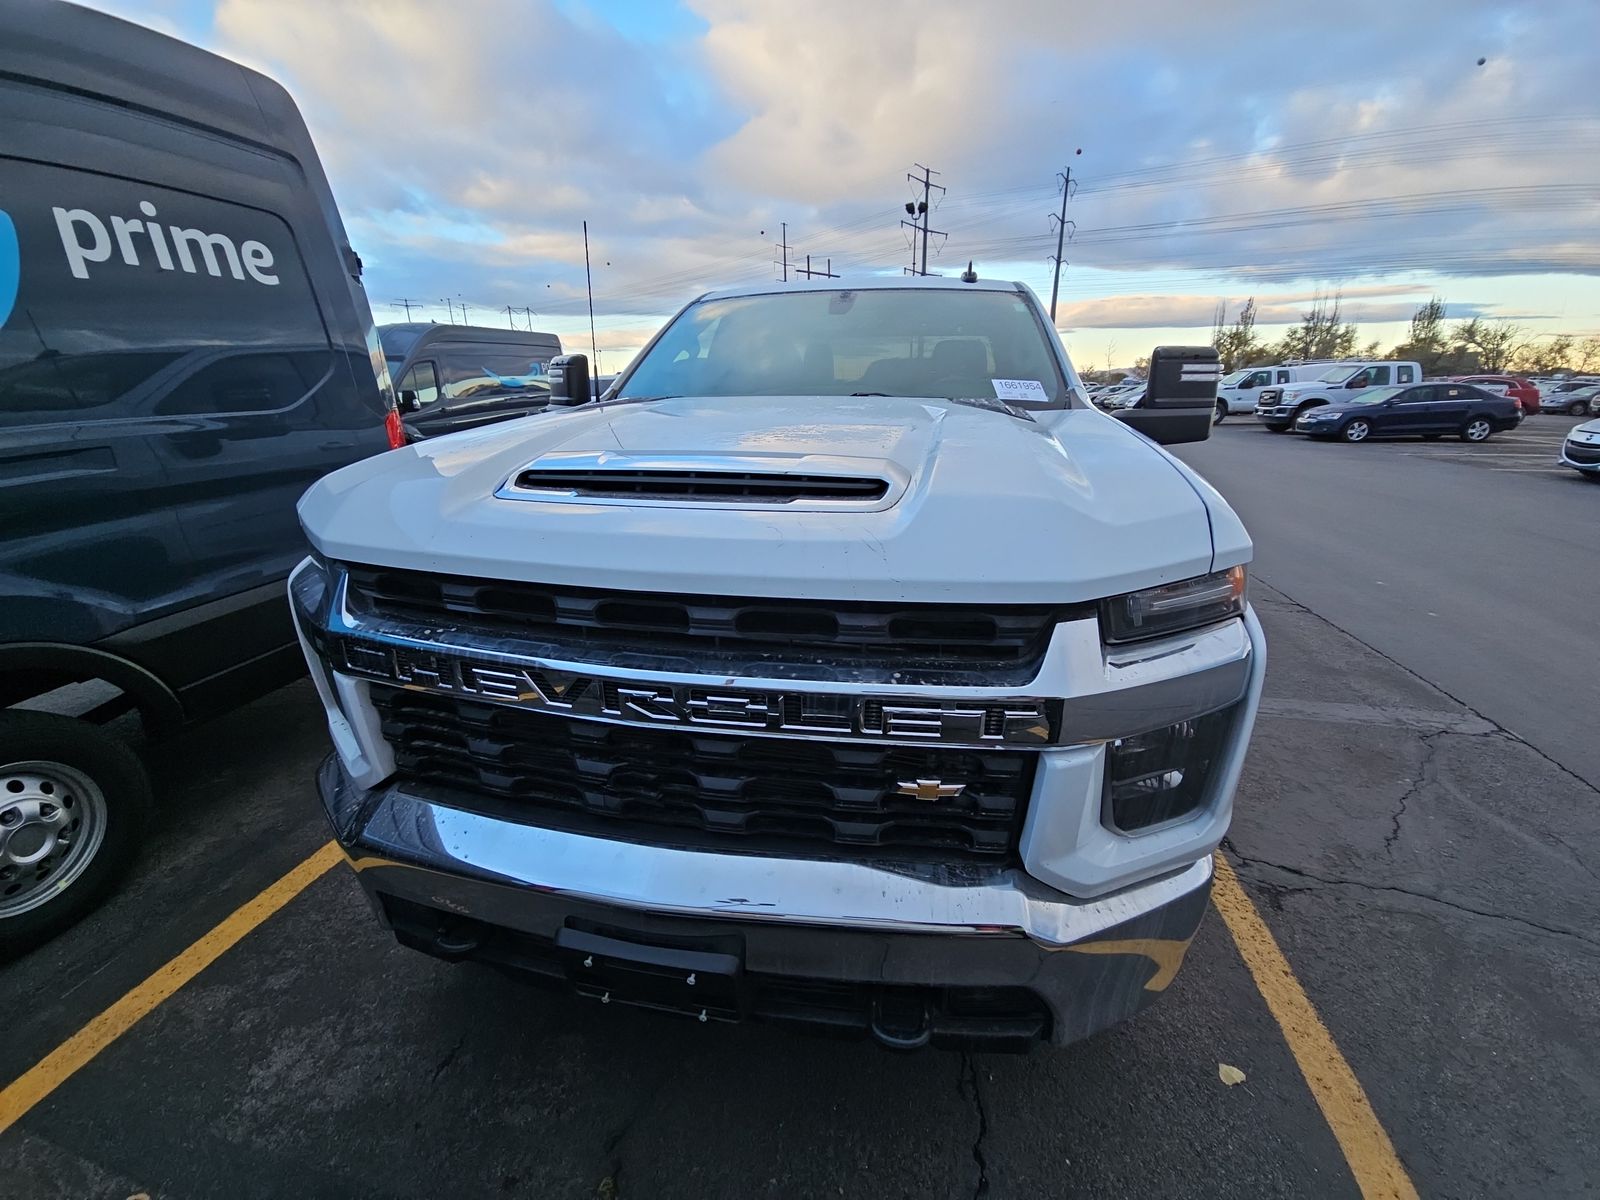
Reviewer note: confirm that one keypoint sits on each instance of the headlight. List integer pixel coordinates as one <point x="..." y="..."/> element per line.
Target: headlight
<point x="1162" y="776"/>
<point x="1173" y="607"/>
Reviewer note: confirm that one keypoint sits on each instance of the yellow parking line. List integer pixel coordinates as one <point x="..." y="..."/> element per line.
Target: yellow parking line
<point x="55" y="1068"/>
<point x="1339" y="1094"/>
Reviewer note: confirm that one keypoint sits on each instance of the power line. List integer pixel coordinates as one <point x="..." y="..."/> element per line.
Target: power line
<point x="407" y="304"/>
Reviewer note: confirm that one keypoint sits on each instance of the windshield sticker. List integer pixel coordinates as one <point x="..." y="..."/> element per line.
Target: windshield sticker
<point x="1020" y="389"/>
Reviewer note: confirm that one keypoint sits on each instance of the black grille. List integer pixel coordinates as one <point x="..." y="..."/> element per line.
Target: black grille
<point x="756" y="486"/>
<point x="1588" y="455"/>
<point x="996" y="645"/>
<point x="755" y="794"/>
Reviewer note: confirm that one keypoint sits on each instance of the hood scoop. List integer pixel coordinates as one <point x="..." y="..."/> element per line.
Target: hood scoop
<point x="719" y="481"/>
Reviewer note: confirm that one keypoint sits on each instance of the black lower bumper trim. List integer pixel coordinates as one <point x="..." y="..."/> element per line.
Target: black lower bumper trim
<point x="595" y="964"/>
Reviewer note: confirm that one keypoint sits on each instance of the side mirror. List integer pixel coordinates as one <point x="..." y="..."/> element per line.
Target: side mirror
<point x="569" y="380"/>
<point x="1181" y="396"/>
<point x="407" y="402"/>
<point x="1358" y="383"/>
<point x="1248" y="385"/>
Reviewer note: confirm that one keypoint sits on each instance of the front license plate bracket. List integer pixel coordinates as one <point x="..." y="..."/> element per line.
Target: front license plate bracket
<point x="698" y="983"/>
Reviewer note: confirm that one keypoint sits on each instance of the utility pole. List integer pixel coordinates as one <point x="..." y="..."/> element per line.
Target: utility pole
<point x="530" y="314"/>
<point x="589" y="279"/>
<point x="508" y="310"/>
<point x="1067" y="189"/>
<point x="445" y="300"/>
<point x="783" y="248"/>
<point x="825" y="273"/>
<point x="920" y="209"/>
<point x="463" y="304"/>
<point x="407" y="304"/>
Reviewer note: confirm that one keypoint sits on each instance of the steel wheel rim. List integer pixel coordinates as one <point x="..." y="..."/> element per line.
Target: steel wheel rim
<point x="1221" y="412"/>
<point x="1477" y="431"/>
<point x="52" y="824"/>
<point x="1357" y="431"/>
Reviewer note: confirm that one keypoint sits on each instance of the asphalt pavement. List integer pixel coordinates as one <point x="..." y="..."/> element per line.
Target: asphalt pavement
<point x="1425" y="862"/>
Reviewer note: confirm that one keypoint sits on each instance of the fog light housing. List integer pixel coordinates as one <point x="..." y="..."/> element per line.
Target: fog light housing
<point x="1155" y="778"/>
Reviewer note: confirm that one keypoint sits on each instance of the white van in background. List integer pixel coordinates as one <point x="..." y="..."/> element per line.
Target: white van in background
<point x="1237" y="392"/>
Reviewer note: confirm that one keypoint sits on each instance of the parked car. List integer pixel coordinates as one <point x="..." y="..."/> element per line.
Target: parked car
<point x="451" y="377"/>
<point x="1515" y="386"/>
<point x="1581" y="450"/>
<point x="822" y="747"/>
<point x="1428" y="410"/>
<point x="186" y="348"/>
<point x="1237" y="392"/>
<point x="1575" y="397"/>
<point x="1280" y="407"/>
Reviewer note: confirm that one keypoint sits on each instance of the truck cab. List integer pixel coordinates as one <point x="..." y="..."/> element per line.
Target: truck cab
<point x="1238" y="390"/>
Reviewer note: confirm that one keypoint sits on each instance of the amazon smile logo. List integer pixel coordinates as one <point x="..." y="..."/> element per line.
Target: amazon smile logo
<point x="10" y="266"/>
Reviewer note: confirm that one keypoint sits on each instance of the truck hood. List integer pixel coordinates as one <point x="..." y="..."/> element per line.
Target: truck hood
<point x="981" y="506"/>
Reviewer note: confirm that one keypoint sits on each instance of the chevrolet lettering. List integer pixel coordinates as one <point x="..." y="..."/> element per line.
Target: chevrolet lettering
<point x="1019" y="722"/>
<point x="842" y="666"/>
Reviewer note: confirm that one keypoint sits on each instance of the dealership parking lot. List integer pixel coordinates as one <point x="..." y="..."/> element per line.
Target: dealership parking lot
<point x="1417" y="828"/>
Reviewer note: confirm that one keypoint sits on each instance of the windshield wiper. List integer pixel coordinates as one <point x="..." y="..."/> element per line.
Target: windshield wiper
<point x="869" y="393"/>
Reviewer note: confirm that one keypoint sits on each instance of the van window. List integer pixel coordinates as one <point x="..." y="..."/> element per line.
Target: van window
<point x="422" y="380"/>
<point x="120" y="283"/>
<point x="1283" y="377"/>
<point x="1405" y="374"/>
<point x="468" y="372"/>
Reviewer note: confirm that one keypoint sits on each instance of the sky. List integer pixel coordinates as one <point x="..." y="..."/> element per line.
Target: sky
<point x="1218" y="151"/>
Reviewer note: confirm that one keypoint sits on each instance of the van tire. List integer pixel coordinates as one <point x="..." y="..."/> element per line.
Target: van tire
<point x="58" y="756"/>
<point x="1221" y="413"/>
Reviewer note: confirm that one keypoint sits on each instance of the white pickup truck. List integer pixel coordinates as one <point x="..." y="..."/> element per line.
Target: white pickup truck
<point x="841" y="666"/>
<point x="1280" y="406"/>
<point x="1238" y="390"/>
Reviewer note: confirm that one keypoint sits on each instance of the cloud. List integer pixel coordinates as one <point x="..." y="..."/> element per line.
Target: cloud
<point x="1256" y="151"/>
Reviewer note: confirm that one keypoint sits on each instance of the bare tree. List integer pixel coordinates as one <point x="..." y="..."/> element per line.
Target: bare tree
<point x="1493" y="342"/>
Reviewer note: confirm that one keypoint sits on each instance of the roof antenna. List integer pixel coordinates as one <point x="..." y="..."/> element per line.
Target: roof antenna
<point x="969" y="275"/>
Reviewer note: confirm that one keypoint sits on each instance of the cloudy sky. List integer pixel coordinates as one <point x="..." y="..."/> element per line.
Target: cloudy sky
<point x="1229" y="149"/>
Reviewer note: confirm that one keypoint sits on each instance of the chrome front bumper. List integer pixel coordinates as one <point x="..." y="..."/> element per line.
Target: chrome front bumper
<point x="1091" y="962"/>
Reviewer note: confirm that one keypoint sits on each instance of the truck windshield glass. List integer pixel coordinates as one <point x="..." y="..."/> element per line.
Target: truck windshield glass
<point x="1336" y="375"/>
<point x="892" y="342"/>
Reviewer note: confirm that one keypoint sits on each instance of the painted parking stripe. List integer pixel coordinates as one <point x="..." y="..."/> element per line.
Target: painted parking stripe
<point x="1367" y="1149"/>
<point x="72" y="1055"/>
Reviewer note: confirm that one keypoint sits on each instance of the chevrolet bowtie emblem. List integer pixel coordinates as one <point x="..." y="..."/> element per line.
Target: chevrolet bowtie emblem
<point x="930" y="789"/>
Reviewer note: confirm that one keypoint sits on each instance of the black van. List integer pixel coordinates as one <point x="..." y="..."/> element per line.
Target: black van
<point x="185" y="347"/>
<point x="451" y="377"/>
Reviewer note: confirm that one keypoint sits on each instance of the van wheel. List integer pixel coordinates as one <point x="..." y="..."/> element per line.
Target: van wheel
<point x="1476" y="430"/>
<point x="1221" y="414"/>
<point x="73" y="805"/>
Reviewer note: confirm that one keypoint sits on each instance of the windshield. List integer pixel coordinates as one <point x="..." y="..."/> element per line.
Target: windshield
<point x="892" y="342"/>
<point x="1335" y="375"/>
<point x="1375" y="396"/>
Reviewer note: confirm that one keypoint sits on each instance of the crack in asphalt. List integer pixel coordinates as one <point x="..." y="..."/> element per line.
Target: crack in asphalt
<point x="967" y="1088"/>
<point x="444" y="1064"/>
<point x="1365" y="885"/>
<point x="1393" y="661"/>
<point x="1427" y="773"/>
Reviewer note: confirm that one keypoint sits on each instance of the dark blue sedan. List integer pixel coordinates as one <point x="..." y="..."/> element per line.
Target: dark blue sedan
<point x="1428" y="410"/>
